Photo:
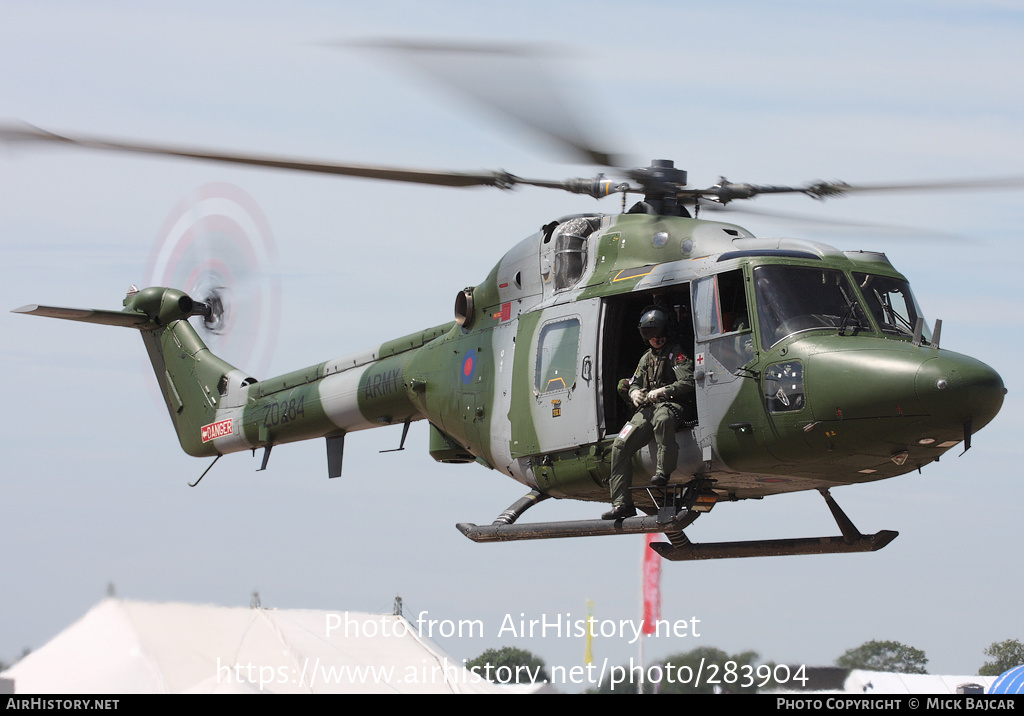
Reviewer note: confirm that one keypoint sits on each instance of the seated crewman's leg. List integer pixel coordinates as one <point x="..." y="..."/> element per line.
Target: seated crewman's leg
<point x="633" y="436"/>
<point x="664" y="423"/>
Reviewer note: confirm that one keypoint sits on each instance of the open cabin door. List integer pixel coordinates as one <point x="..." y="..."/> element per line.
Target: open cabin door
<point x="555" y="389"/>
<point x="622" y="346"/>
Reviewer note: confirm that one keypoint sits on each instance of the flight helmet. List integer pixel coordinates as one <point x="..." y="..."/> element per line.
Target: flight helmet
<point x="654" y="324"/>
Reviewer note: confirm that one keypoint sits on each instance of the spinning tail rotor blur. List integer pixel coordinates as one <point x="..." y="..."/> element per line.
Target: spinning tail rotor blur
<point x="216" y="245"/>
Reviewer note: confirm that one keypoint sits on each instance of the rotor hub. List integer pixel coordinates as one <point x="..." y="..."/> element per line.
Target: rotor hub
<point x="661" y="182"/>
<point x="215" y="320"/>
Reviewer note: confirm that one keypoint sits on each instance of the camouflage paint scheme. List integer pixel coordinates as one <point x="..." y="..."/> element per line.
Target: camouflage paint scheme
<point x="524" y="381"/>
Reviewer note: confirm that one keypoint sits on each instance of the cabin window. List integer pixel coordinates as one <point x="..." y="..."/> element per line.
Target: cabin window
<point x="891" y="303"/>
<point x="557" y="351"/>
<point x="571" y="251"/>
<point x="795" y="299"/>
<point x="784" y="387"/>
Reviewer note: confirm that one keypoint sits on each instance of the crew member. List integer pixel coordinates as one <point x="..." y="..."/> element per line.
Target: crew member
<point x="661" y="386"/>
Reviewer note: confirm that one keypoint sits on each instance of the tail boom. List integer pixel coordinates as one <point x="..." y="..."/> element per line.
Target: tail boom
<point x="218" y="409"/>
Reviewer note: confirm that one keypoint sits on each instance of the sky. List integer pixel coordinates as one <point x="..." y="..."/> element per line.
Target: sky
<point x="95" y="488"/>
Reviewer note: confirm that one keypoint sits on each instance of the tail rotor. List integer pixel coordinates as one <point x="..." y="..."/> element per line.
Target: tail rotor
<point x="217" y="247"/>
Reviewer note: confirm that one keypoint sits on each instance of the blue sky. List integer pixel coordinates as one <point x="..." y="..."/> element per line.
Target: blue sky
<point x="94" y="488"/>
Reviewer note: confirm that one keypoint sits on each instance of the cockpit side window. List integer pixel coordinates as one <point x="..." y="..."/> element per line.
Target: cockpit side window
<point x="722" y="318"/>
<point x="720" y="304"/>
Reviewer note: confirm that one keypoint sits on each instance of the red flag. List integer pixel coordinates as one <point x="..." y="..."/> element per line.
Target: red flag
<point x="652" y="584"/>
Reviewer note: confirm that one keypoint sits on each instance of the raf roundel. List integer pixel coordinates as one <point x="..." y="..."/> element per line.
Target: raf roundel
<point x="468" y="366"/>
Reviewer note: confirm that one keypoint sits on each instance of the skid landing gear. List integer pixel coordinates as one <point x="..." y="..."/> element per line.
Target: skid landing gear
<point x="676" y="510"/>
<point x="678" y="506"/>
<point x="679" y="548"/>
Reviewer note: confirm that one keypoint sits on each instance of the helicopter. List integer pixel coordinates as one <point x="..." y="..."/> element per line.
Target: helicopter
<point x="814" y="367"/>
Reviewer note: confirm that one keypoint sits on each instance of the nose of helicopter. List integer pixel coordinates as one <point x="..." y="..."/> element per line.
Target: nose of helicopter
<point x="903" y="393"/>
<point x="955" y="388"/>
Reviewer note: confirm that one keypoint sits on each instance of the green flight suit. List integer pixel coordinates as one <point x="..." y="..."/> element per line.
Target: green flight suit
<point x="671" y="368"/>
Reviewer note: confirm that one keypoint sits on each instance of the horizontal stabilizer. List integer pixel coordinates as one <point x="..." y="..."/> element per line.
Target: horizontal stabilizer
<point x="89" y="315"/>
<point x="682" y="550"/>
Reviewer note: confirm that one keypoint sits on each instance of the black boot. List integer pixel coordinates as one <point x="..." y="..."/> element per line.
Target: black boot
<point x="619" y="513"/>
<point x="659" y="480"/>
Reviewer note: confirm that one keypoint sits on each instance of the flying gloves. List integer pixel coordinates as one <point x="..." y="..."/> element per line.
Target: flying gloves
<point x="658" y="395"/>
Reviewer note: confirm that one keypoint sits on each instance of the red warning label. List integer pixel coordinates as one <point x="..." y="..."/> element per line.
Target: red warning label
<point x="215" y="430"/>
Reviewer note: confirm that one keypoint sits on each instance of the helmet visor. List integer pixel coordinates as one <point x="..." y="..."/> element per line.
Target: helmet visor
<point x="649" y="332"/>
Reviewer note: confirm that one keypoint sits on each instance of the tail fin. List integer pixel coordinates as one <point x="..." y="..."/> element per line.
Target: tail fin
<point x="192" y="380"/>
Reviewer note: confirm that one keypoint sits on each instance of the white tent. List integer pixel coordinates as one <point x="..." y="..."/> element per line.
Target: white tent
<point x="124" y="646"/>
<point x="879" y="682"/>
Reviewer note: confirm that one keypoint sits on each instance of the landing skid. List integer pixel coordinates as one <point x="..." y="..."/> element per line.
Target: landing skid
<point x="681" y="549"/>
<point x="673" y="516"/>
<point x="573" y="528"/>
<point x="671" y="519"/>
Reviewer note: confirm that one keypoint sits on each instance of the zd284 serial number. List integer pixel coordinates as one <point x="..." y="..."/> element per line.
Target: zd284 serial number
<point x="284" y="411"/>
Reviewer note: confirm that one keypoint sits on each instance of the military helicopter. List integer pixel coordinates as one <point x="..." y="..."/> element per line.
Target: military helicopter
<point x="814" y="367"/>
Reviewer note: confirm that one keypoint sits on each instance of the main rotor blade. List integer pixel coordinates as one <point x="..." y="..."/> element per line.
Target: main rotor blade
<point x="841" y="225"/>
<point x="514" y="81"/>
<point x="27" y="133"/>
<point x="597" y="187"/>
<point x="726" y="191"/>
<point x="1010" y="182"/>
